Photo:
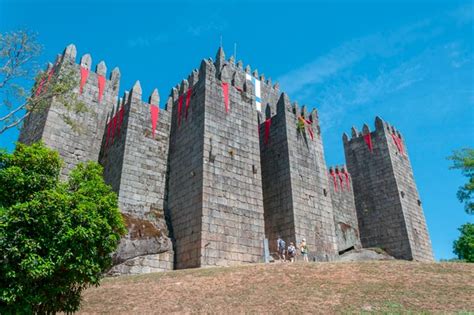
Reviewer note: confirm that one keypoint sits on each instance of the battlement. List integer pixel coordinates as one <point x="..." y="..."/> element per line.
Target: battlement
<point x="340" y="179"/>
<point x="229" y="161"/>
<point x="383" y="131"/>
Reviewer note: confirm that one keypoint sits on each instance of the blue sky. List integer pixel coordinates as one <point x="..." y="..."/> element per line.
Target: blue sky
<point x="410" y="62"/>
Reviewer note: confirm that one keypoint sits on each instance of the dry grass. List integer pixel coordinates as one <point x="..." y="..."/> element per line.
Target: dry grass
<point x="389" y="287"/>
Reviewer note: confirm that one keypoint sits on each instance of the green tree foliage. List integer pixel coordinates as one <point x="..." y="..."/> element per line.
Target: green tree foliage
<point x="55" y="237"/>
<point x="464" y="160"/>
<point x="18" y="53"/>
<point x="464" y="246"/>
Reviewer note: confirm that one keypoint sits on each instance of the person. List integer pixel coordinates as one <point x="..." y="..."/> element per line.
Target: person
<point x="292" y="252"/>
<point x="281" y="245"/>
<point x="304" y="249"/>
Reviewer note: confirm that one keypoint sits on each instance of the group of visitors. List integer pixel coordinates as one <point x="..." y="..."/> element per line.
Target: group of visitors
<point x="291" y="251"/>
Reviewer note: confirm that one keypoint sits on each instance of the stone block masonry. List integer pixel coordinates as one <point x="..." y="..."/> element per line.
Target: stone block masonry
<point x="215" y="196"/>
<point x="295" y="185"/>
<point x="135" y="164"/>
<point x="345" y="216"/>
<point x="387" y="201"/>
<point x="48" y="125"/>
<point x="230" y="162"/>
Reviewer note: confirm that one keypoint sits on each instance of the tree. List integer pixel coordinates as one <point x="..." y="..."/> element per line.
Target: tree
<point x="464" y="246"/>
<point x="56" y="238"/>
<point x="464" y="160"/>
<point x="18" y="53"/>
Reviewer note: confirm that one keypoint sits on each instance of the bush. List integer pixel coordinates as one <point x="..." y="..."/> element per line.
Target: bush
<point x="55" y="238"/>
<point x="464" y="246"/>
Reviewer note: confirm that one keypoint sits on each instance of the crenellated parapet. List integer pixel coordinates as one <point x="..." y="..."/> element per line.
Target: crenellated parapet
<point x="228" y="161"/>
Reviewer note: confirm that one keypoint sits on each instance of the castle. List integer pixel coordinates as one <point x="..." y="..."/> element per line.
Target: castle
<point x="228" y="162"/>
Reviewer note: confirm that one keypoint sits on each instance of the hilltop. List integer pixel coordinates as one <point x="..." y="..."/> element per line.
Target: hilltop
<point x="375" y="286"/>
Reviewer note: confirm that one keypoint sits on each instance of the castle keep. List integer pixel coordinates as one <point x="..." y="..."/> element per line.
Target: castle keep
<point x="227" y="162"/>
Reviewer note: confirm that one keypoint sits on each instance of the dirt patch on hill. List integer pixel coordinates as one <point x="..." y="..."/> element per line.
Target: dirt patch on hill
<point x="380" y="286"/>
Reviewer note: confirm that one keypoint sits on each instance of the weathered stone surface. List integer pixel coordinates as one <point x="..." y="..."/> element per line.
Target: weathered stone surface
<point x="207" y="186"/>
<point x="144" y="237"/>
<point x="388" y="205"/>
<point x="345" y="217"/>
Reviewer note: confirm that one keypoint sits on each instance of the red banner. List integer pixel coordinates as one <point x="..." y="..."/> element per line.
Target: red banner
<point x="268" y="123"/>
<point x="120" y="119"/>
<point x="225" y="90"/>
<point x="155" y="114"/>
<point x="395" y="140"/>
<point x="40" y="86"/>
<point x="346" y="174"/>
<point x="107" y="137"/>
<point x="341" y="181"/>
<point x="368" y="141"/>
<point x="180" y="105"/>
<point x="333" y="175"/>
<point x="188" y="99"/>
<point x="400" y="143"/>
<point x="101" y="84"/>
<point x="84" y="75"/>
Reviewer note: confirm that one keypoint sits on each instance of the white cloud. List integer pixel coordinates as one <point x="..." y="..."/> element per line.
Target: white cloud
<point x="350" y="53"/>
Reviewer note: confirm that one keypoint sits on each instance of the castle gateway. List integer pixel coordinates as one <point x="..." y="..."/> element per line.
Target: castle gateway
<point x="228" y="162"/>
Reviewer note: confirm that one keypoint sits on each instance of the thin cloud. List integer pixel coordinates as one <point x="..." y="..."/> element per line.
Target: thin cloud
<point x="350" y="53"/>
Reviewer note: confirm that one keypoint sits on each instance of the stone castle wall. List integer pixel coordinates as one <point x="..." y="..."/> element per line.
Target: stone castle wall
<point x="216" y="179"/>
<point x="296" y="196"/>
<point x="345" y="216"/>
<point x="49" y="125"/>
<point x="135" y="164"/>
<point x="384" y="211"/>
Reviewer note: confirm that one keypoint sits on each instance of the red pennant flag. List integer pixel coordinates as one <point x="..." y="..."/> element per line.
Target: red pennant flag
<point x="397" y="142"/>
<point x="347" y="180"/>
<point x="84" y="75"/>
<point x="225" y="90"/>
<point x="51" y="72"/>
<point x="115" y="125"/>
<point x="333" y="175"/>
<point x="310" y="129"/>
<point x="107" y="137"/>
<point x="368" y="141"/>
<point x="101" y="83"/>
<point x="188" y="99"/>
<point x="180" y="105"/>
<point x="120" y="120"/>
<point x="400" y="143"/>
<point x="40" y="86"/>
<point x="112" y="129"/>
<point x="341" y="181"/>
<point x="155" y="114"/>
<point x="268" y="123"/>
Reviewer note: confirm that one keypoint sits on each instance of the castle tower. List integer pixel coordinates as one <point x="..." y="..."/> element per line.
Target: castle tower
<point x="214" y="192"/>
<point x="345" y="215"/>
<point x="134" y="155"/>
<point x="387" y="201"/>
<point x="295" y="184"/>
<point x="80" y="140"/>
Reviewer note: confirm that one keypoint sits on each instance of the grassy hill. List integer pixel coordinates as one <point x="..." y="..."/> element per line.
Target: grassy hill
<point x="356" y="287"/>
